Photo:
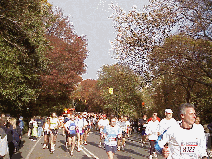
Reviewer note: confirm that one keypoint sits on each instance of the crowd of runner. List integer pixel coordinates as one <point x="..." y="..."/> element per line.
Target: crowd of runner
<point x="173" y="139"/>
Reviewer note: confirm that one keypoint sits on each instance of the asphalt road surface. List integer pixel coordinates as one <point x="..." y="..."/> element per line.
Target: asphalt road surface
<point x="34" y="150"/>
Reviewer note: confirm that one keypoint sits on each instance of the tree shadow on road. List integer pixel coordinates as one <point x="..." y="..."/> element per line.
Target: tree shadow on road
<point x="63" y="147"/>
<point x="18" y="155"/>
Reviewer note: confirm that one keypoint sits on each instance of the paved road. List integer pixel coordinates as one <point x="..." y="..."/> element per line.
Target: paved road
<point x="33" y="149"/>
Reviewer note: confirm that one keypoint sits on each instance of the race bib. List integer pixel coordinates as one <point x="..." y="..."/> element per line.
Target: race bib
<point x="72" y="128"/>
<point x="189" y="148"/>
<point x="111" y="139"/>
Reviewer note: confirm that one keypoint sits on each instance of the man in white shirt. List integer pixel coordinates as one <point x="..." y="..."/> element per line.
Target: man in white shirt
<point x="185" y="140"/>
<point x="54" y="125"/>
<point x="101" y="124"/>
<point x="167" y="122"/>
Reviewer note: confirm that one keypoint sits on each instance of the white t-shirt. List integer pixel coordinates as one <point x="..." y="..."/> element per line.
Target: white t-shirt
<point x="183" y="143"/>
<point x="103" y="123"/>
<point x="165" y="124"/>
<point x="54" y="123"/>
<point x="152" y="130"/>
<point x="80" y="123"/>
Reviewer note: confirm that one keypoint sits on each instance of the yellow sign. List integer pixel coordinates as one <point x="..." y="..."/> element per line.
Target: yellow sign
<point x="111" y="90"/>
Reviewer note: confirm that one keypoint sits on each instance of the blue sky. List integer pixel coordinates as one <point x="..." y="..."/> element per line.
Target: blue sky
<point x="90" y="18"/>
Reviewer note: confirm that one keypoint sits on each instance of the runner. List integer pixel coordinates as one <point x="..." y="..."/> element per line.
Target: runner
<point x="111" y="133"/>
<point x="81" y="123"/>
<point x="121" y="141"/>
<point x="70" y="127"/>
<point x="143" y="124"/>
<point x="46" y="130"/>
<point x="167" y="122"/>
<point x="85" y="128"/>
<point x="152" y="130"/>
<point x="101" y="124"/>
<point x="129" y="130"/>
<point x="185" y="139"/>
<point x="65" y="132"/>
<point x="54" y="125"/>
<point x="154" y="114"/>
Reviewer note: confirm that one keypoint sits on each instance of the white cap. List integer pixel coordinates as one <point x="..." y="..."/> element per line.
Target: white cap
<point x="168" y="111"/>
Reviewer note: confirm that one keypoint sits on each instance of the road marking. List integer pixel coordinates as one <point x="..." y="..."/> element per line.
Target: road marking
<point x="91" y="153"/>
<point x="86" y="153"/>
<point x="33" y="148"/>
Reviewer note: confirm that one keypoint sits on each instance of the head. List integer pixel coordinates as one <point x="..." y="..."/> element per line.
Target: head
<point x="154" y="114"/>
<point x="54" y="115"/>
<point x="72" y="117"/>
<point x="145" y="116"/>
<point x="197" y="121"/>
<point x="168" y="113"/>
<point x="112" y="121"/>
<point x="187" y="114"/>
<point x="154" y="118"/>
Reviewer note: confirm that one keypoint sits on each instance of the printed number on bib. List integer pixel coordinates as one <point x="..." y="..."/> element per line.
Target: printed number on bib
<point x="188" y="147"/>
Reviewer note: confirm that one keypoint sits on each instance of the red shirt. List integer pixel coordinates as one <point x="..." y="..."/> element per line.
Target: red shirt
<point x="151" y="119"/>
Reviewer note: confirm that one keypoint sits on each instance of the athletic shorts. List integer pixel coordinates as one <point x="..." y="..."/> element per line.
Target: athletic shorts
<point x="143" y="133"/>
<point x="81" y="132"/>
<point x="71" y="135"/>
<point x="113" y="149"/>
<point x="54" y="131"/>
<point x="124" y="134"/>
<point x="88" y="126"/>
<point x="46" y="133"/>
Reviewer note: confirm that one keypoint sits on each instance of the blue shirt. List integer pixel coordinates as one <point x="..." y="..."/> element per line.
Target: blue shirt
<point x="71" y="126"/>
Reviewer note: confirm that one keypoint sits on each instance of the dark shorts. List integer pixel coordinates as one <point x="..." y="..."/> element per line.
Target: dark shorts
<point x="113" y="149"/>
<point x="46" y="133"/>
<point x="143" y="133"/>
<point x="124" y="134"/>
<point x="71" y="135"/>
<point x="54" y="131"/>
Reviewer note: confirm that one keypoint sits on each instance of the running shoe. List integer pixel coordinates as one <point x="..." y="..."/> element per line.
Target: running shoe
<point x="85" y="143"/>
<point x="155" y="155"/>
<point x="118" y="148"/>
<point x="150" y="156"/>
<point x="72" y="153"/>
<point x="44" y="146"/>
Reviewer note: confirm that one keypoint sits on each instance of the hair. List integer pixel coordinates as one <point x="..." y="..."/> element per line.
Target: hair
<point x="184" y="106"/>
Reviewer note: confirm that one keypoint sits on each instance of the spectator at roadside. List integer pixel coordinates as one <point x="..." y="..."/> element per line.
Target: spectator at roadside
<point x="21" y="125"/>
<point x="3" y="140"/>
<point x="40" y="126"/>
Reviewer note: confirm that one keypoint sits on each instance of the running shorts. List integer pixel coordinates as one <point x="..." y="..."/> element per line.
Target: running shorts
<point x="113" y="149"/>
<point x="54" y="131"/>
<point x="124" y="134"/>
<point x="46" y="133"/>
<point x="71" y="135"/>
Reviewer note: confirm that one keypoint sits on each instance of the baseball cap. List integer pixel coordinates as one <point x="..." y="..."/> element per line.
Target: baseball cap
<point x="168" y="111"/>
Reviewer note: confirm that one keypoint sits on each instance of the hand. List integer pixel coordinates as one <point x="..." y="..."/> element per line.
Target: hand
<point x="165" y="152"/>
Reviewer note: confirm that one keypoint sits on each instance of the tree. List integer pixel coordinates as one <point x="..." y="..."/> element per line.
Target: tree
<point x="126" y="97"/>
<point x="87" y="97"/>
<point x="22" y="53"/>
<point x="66" y="61"/>
<point x="137" y="33"/>
<point x="183" y="66"/>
